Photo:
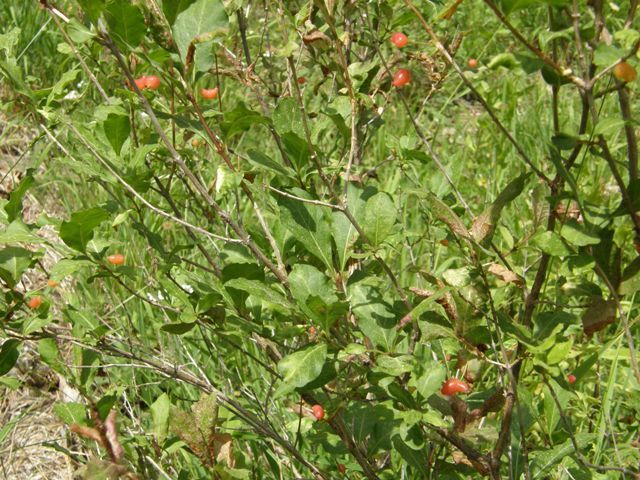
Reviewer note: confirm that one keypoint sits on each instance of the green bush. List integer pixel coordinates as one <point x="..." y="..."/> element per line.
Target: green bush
<point x="317" y="234"/>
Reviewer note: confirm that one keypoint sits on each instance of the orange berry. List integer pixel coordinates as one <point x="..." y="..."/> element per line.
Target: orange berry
<point x="453" y="386"/>
<point x="141" y="83"/>
<point x="473" y="63"/>
<point x="312" y="330"/>
<point x="116" y="259"/>
<point x="34" y="302"/>
<point x="401" y="78"/>
<point x="625" y="72"/>
<point x="152" y="82"/>
<point x="209" y="93"/>
<point x="318" y="412"/>
<point x="399" y="39"/>
<point x="52" y="283"/>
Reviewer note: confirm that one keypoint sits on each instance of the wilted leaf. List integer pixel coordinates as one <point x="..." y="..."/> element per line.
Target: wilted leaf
<point x="505" y="274"/>
<point x="484" y="225"/>
<point x="444" y="213"/>
<point x="600" y="313"/>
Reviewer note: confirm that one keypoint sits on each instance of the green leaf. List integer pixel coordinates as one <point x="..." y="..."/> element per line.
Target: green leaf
<point x="58" y="90"/>
<point x="160" y="410"/>
<point x="394" y="366"/>
<point x="79" y="229"/>
<point x="301" y="368"/>
<point x="380" y="216"/>
<point x="374" y="313"/>
<point x="14" y="205"/>
<point x="577" y="235"/>
<point x="9" y="354"/>
<point x="92" y="8"/>
<point x="259" y="290"/>
<point x="66" y="267"/>
<point x="551" y="243"/>
<point x="70" y="412"/>
<point x="544" y="461"/>
<point x="606" y="55"/>
<point x="18" y="232"/>
<point x="200" y="18"/>
<point x="308" y="224"/>
<point x="484" y="226"/>
<point x="261" y="160"/>
<point x="117" y="129"/>
<point x="178" y="328"/>
<point x="126" y="23"/>
<point x="49" y="353"/>
<point x="288" y="118"/>
<point x="307" y="281"/>
<point x="430" y="379"/>
<point x="13" y="262"/>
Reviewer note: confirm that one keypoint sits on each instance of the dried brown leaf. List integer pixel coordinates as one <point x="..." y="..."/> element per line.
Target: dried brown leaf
<point x="505" y="274"/>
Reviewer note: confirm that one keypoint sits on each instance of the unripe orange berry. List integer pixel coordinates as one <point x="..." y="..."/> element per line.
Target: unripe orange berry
<point x="473" y="63"/>
<point x="625" y="72"/>
<point x="116" y="259"/>
<point x="34" y="302"/>
<point x="52" y="283"/>
<point x="209" y="93"/>
<point x="318" y="412"/>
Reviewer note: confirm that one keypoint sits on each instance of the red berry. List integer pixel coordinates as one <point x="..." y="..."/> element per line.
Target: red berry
<point x="342" y="469"/>
<point x="318" y="412"/>
<point x="312" y="330"/>
<point x="209" y="93"/>
<point x="141" y="83"/>
<point x="399" y="39"/>
<point x="401" y="78"/>
<point x="116" y="259"/>
<point x="301" y="80"/>
<point x="625" y="72"/>
<point x="34" y="302"/>
<point x="572" y="379"/>
<point x="473" y="63"/>
<point x="152" y="82"/>
<point x="453" y="386"/>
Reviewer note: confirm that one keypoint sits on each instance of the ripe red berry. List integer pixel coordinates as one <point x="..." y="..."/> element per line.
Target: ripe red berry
<point x="401" y="78"/>
<point x="34" y="302"/>
<point x="342" y="468"/>
<point x="625" y="72"/>
<point x="152" y="82"/>
<point x="572" y="379"/>
<point x="453" y="386"/>
<point x="399" y="39"/>
<point x="141" y="83"/>
<point x="209" y="93"/>
<point x="318" y="412"/>
<point x="301" y="80"/>
<point x="473" y="63"/>
<point x="116" y="259"/>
